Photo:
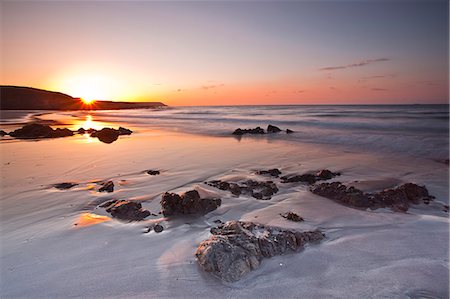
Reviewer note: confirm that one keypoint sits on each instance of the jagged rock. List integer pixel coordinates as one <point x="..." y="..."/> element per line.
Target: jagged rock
<point x="257" y="130"/>
<point x="125" y="210"/>
<point x="153" y="172"/>
<point x="3" y="133"/>
<point x="309" y="177"/>
<point x="107" y="187"/>
<point x="397" y="199"/>
<point x="64" y="186"/>
<point x="236" y="248"/>
<point x="40" y="131"/>
<point x="275" y="172"/>
<point x="292" y="216"/>
<point x="256" y="189"/>
<point x="273" y="129"/>
<point x="288" y="131"/>
<point x="188" y="203"/>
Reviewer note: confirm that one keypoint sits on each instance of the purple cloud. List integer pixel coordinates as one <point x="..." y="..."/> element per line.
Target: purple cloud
<point x="361" y="63"/>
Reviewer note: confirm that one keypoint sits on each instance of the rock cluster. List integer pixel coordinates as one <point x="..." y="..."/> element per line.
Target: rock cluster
<point x="292" y="216"/>
<point x="310" y="178"/>
<point x="259" y="130"/>
<point x="106" y="186"/>
<point x="257" y="189"/>
<point x="275" y="172"/>
<point x="35" y="130"/>
<point x="125" y="210"/>
<point x="188" y="203"/>
<point x="236" y="248"/>
<point x="64" y="186"/>
<point x="398" y="199"/>
<point x="153" y="172"/>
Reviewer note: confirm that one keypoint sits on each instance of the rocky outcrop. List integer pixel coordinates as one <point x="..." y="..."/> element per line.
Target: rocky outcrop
<point x="236" y="248"/>
<point x="188" y="203"/>
<point x="3" y="133"/>
<point x="310" y="178"/>
<point x="106" y="186"/>
<point x="64" y="186"/>
<point x="257" y="130"/>
<point x="273" y="129"/>
<point x="275" y="172"/>
<point x="292" y="216"/>
<point x="109" y="135"/>
<point x="398" y="199"/>
<point x="35" y="130"/>
<point x="125" y="210"/>
<point x="257" y="189"/>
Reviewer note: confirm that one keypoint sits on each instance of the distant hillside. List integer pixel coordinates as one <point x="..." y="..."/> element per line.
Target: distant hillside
<point x="27" y="98"/>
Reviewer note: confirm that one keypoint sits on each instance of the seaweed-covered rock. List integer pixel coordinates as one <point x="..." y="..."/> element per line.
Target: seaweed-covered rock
<point x="260" y="190"/>
<point x="125" y="210"/>
<point x="188" y="203"/>
<point x="257" y="130"/>
<point x="310" y="178"/>
<point x="398" y="199"/>
<point x="273" y="129"/>
<point x="275" y="172"/>
<point x="64" y="186"/>
<point x="236" y="248"/>
<point x="107" y="187"/>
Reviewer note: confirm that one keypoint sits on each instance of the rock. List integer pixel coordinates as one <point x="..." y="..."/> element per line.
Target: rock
<point x="106" y="135"/>
<point x="310" y="178"/>
<point x="124" y="131"/>
<point x="292" y="216"/>
<point x="158" y="228"/>
<point x="125" y="210"/>
<point x="3" y="133"/>
<point x="397" y="199"/>
<point x="81" y="131"/>
<point x="236" y="248"/>
<point x="273" y="129"/>
<point x="107" y="187"/>
<point x="40" y="131"/>
<point x="288" y="131"/>
<point x="257" y="130"/>
<point x="64" y="186"/>
<point x="188" y="203"/>
<point x="275" y="172"/>
<point x="446" y="161"/>
<point x="153" y="172"/>
<point x="259" y="190"/>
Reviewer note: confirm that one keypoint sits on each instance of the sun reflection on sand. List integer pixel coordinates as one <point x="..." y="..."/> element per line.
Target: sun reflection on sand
<point x="88" y="219"/>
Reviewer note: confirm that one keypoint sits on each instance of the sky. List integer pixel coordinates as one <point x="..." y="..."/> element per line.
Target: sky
<point x="230" y="53"/>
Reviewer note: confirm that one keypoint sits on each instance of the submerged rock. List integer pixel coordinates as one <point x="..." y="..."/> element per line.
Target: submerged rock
<point x="292" y="216"/>
<point x="107" y="187"/>
<point x="125" y="210"/>
<point x="275" y="172"/>
<point x="64" y="186"/>
<point x="188" y="203"/>
<point x="236" y="248"/>
<point x="397" y="199"/>
<point x="153" y="172"/>
<point x="40" y="131"/>
<point x="310" y="178"/>
<point x="259" y="190"/>
<point x="273" y="129"/>
<point x="257" y="130"/>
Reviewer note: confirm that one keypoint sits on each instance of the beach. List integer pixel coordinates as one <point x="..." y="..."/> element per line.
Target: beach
<point x="61" y="243"/>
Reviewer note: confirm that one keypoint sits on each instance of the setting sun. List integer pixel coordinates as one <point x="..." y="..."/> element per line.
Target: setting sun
<point x="87" y="101"/>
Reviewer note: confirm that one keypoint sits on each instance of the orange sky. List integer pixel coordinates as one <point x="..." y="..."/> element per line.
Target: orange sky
<point x="229" y="53"/>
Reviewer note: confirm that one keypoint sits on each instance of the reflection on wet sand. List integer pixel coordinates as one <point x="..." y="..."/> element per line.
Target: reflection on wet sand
<point x="88" y="219"/>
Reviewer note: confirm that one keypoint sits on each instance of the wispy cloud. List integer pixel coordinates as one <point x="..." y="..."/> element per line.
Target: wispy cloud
<point x="379" y="89"/>
<point x="357" y="64"/>
<point x="206" y="87"/>
<point x="299" y="91"/>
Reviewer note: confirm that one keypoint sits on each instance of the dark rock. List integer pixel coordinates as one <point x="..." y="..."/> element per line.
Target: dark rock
<point x="64" y="186"/>
<point x="398" y="199"/>
<point x="107" y="187"/>
<point x="310" y="178"/>
<point x="153" y="172"/>
<point x="39" y="131"/>
<point x="445" y="208"/>
<point x="275" y="172"/>
<point x="61" y="133"/>
<point x="106" y="135"/>
<point x="188" y="203"/>
<point x="3" y="133"/>
<point x="257" y="130"/>
<point x="125" y="210"/>
<point x="91" y="130"/>
<point x="158" y="228"/>
<point x="292" y="216"/>
<point x="273" y="129"/>
<point x="446" y="161"/>
<point x="256" y="189"/>
<point x="124" y="131"/>
<point x="81" y="131"/>
<point x="288" y="131"/>
<point x="236" y="248"/>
